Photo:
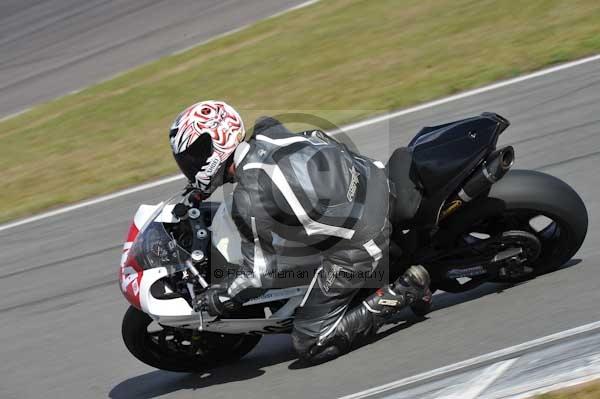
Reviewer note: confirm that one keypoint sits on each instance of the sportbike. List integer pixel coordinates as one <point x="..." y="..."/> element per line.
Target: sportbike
<point x="458" y="209"/>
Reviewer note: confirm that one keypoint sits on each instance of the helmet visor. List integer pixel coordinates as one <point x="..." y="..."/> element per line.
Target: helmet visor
<point x="194" y="157"/>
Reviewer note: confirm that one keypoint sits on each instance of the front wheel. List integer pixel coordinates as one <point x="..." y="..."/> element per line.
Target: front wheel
<point x="179" y="349"/>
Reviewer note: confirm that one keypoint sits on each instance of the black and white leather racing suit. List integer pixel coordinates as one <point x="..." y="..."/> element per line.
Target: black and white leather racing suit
<point x="309" y="188"/>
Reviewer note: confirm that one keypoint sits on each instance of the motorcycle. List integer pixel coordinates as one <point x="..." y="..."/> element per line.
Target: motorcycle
<point x="458" y="209"/>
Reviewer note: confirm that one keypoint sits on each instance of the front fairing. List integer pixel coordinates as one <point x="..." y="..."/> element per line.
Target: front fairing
<point x="150" y="253"/>
<point x="154" y="247"/>
<point x="150" y="258"/>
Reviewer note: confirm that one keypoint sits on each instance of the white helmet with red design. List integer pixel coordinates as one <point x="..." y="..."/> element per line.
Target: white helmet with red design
<point x="204" y="138"/>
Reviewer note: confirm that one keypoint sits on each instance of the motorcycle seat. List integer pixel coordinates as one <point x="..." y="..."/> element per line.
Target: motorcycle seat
<point x="404" y="186"/>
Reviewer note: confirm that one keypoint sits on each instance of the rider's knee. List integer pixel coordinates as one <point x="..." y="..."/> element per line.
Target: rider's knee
<point x="302" y="344"/>
<point x="311" y="352"/>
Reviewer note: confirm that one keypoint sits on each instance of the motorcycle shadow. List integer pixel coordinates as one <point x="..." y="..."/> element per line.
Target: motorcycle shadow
<point x="276" y="349"/>
<point x="406" y="318"/>
<point x="442" y="300"/>
<point x="272" y="350"/>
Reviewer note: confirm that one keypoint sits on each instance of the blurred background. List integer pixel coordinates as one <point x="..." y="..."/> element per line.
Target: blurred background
<point x="347" y="58"/>
<point x="88" y="90"/>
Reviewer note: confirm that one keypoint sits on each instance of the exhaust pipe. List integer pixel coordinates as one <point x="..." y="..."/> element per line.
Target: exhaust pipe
<point x="493" y="169"/>
<point x="496" y="165"/>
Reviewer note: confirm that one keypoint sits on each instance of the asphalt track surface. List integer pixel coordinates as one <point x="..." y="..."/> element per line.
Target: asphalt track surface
<point x="61" y="308"/>
<point x="51" y="47"/>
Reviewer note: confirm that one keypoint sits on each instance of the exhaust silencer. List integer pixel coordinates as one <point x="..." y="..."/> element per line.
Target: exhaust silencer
<point x="493" y="169"/>
<point x="489" y="172"/>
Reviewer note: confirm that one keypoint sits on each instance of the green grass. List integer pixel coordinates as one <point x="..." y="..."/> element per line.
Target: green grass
<point x="356" y="56"/>
<point x="586" y="391"/>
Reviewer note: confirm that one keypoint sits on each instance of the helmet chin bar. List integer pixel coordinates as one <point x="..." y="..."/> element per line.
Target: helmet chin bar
<point x="219" y="178"/>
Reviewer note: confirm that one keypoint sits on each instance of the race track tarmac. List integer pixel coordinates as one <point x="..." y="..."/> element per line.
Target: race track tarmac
<point x="61" y="308"/>
<point x="51" y="47"/>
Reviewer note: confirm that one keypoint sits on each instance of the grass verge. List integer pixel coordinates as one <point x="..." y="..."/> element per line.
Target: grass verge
<point x="334" y="55"/>
<point x="585" y="391"/>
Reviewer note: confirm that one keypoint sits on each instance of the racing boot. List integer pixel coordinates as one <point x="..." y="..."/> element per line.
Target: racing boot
<point x="364" y="320"/>
<point x="411" y="288"/>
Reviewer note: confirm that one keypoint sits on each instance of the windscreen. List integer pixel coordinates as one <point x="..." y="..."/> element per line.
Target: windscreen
<point x="155" y="247"/>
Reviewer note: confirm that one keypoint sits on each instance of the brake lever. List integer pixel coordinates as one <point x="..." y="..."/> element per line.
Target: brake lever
<point x="197" y="306"/>
<point x="190" y="266"/>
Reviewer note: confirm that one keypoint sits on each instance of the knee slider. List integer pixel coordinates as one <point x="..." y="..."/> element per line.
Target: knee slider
<point x="310" y="351"/>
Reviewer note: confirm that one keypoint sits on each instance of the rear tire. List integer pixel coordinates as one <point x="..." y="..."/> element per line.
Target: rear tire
<point x="156" y="351"/>
<point x="527" y="193"/>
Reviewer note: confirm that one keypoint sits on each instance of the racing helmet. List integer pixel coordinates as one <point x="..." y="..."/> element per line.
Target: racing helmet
<point x="203" y="138"/>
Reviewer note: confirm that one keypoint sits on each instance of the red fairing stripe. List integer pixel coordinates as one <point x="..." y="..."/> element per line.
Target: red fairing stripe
<point x="132" y="234"/>
<point x="130" y="272"/>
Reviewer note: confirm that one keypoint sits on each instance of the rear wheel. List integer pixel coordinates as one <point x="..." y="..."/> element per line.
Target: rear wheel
<point x="180" y="349"/>
<point x="546" y="242"/>
<point x="546" y="208"/>
<point x="541" y="224"/>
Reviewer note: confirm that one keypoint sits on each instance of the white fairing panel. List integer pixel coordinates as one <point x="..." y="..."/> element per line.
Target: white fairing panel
<point x="145" y="212"/>
<point x="157" y="308"/>
<point x="225" y="235"/>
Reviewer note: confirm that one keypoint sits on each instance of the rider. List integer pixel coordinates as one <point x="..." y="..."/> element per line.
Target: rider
<point x="305" y="187"/>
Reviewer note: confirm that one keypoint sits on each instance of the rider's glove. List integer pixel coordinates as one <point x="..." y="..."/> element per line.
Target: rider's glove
<point x="217" y="302"/>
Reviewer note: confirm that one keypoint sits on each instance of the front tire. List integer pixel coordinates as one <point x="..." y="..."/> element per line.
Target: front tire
<point x="178" y="349"/>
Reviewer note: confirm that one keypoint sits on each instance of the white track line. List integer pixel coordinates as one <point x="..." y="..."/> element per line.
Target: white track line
<point x="15" y="114"/>
<point x="474" y="92"/>
<point x="479" y="383"/>
<point x="236" y="30"/>
<point x="179" y="51"/>
<point x="476" y="360"/>
<point x="94" y="201"/>
<point x="353" y="126"/>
